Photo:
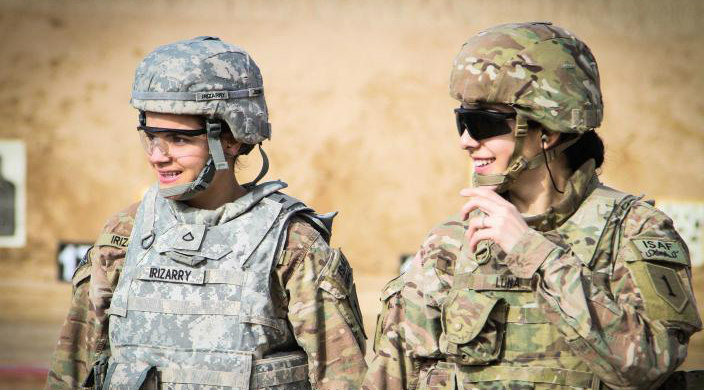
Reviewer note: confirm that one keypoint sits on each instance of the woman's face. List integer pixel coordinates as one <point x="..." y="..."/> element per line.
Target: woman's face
<point x="490" y="155"/>
<point x="175" y="158"/>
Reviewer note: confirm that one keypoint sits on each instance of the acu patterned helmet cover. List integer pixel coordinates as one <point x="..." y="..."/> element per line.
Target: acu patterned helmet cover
<point x="205" y="76"/>
<point x="545" y="72"/>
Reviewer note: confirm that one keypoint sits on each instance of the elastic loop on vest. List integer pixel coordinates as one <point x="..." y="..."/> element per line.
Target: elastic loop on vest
<point x="149" y="218"/>
<point x="558" y="376"/>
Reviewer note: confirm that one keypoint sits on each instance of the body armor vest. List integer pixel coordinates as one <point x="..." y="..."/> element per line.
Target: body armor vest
<point x="193" y="307"/>
<point x="495" y="335"/>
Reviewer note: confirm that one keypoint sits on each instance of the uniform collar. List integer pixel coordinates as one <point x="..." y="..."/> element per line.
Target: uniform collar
<point x="582" y="182"/>
<point x="228" y="211"/>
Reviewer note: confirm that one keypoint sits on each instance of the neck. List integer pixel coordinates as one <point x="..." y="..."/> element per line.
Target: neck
<point x="533" y="192"/>
<point x="223" y="189"/>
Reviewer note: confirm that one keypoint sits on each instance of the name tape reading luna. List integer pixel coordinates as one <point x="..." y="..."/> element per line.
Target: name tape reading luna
<point x="174" y="275"/>
<point x="663" y="250"/>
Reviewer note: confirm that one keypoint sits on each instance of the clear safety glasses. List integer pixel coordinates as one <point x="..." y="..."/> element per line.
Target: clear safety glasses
<point x="173" y="142"/>
<point x="482" y="124"/>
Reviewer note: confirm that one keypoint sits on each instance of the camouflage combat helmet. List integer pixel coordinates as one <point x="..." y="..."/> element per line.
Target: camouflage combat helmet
<point x="543" y="71"/>
<point x="205" y="76"/>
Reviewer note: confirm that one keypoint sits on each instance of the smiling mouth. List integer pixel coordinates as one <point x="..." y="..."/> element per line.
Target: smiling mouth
<point x="169" y="176"/>
<point x="482" y="162"/>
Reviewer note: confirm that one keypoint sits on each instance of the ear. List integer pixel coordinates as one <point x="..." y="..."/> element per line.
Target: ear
<point x="549" y="138"/>
<point x="229" y="145"/>
<point x="231" y="148"/>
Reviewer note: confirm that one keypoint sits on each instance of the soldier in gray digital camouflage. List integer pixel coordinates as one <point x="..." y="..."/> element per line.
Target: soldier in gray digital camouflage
<point x="207" y="283"/>
<point x="546" y="278"/>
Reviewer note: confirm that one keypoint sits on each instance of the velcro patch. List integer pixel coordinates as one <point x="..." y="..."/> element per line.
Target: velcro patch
<point x="660" y="250"/>
<point x="667" y="285"/>
<point x="665" y="292"/>
<point x="212" y="95"/>
<point x="114" y="240"/>
<point x="171" y="274"/>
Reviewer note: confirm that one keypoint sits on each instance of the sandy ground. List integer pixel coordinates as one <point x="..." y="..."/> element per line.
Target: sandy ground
<point x="361" y="119"/>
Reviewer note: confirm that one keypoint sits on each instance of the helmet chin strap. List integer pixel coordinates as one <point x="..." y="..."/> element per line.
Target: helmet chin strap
<point x="262" y="171"/>
<point x="518" y="163"/>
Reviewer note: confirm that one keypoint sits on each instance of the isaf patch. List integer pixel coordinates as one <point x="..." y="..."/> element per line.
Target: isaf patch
<point x="661" y="250"/>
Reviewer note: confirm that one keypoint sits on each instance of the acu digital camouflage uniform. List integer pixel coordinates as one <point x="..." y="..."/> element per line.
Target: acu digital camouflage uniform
<point x="596" y="295"/>
<point x="246" y="296"/>
<point x="321" y="308"/>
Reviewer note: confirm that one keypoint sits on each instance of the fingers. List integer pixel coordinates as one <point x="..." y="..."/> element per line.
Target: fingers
<point x="485" y="193"/>
<point x="479" y="235"/>
<point x="476" y="223"/>
<point x="478" y="202"/>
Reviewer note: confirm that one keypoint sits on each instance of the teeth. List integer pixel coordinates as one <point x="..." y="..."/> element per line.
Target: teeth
<point x="483" y="162"/>
<point x="170" y="174"/>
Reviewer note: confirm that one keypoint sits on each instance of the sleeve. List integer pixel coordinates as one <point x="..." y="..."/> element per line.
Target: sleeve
<point x="632" y="330"/>
<point x="391" y="368"/>
<point x="83" y="336"/>
<point x="322" y="308"/>
<point x="407" y="340"/>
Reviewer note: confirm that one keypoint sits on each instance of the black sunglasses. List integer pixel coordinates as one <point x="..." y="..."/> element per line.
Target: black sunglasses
<point x="482" y="124"/>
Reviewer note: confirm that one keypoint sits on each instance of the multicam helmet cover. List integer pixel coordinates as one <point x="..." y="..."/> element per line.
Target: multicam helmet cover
<point x="205" y="76"/>
<point x="543" y="71"/>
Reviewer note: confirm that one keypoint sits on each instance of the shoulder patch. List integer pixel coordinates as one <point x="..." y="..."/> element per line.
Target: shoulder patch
<point x="392" y="287"/>
<point x="668" y="286"/>
<point x="665" y="295"/>
<point x="660" y="249"/>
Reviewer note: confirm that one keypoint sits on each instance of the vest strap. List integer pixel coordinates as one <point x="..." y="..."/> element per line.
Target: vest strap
<point x="557" y="376"/>
<point x="237" y="379"/>
<point x="171" y="306"/>
<point x="526" y="315"/>
<point x="279" y="376"/>
<point x="222" y="276"/>
<point x="267" y="373"/>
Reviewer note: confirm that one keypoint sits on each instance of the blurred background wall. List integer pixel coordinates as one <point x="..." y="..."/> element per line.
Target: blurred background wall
<point x="362" y="120"/>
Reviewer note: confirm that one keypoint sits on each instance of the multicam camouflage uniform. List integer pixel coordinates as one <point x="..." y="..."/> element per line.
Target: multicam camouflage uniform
<point x="247" y="296"/>
<point x="579" y="300"/>
<point x="84" y="337"/>
<point x="311" y="288"/>
<point x="596" y="294"/>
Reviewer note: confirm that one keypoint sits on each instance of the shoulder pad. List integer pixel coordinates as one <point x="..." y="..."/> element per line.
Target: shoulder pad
<point x="392" y="287"/>
<point x="321" y="222"/>
<point x="288" y="202"/>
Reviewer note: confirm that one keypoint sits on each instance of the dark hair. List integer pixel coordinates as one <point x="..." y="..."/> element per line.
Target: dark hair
<point x="589" y="146"/>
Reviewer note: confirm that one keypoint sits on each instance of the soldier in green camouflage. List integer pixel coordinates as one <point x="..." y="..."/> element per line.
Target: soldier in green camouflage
<point x="546" y="279"/>
<point x="206" y="283"/>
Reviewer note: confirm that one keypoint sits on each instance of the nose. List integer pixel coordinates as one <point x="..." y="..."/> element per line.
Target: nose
<point x="467" y="142"/>
<point x="157" y="155"/>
